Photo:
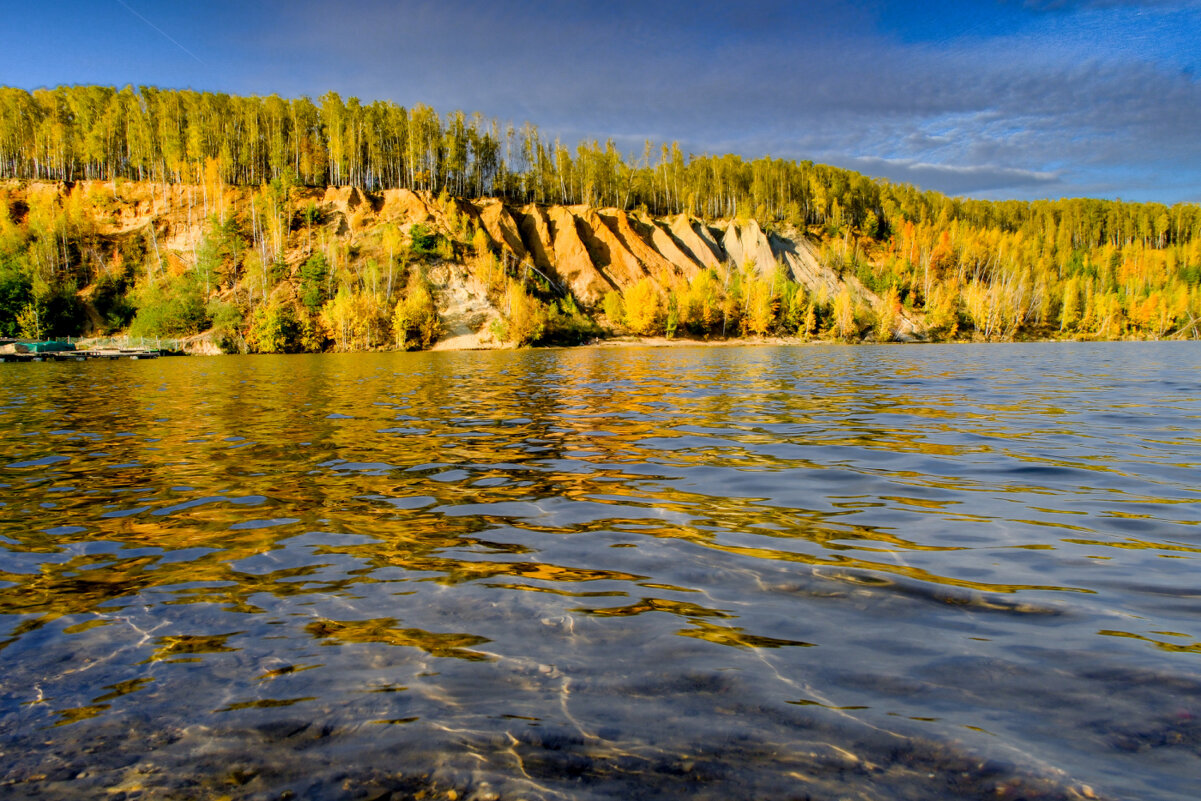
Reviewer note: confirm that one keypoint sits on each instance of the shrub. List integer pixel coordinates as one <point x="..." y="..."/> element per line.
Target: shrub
<point x="566" y="325"/>
<point x="274" y="328"/>
<point x="226" y="325"/>
<point x="615" y="310"/>
<point x="170" y="307"/>
<point x="423" y="241"/>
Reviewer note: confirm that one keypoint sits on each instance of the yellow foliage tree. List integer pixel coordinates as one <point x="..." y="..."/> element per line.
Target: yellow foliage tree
<point x="643" y="308"/>
<point x="526" y="319"/>
<point x="415" y="321"/>
<point x="888" y="314"/>
<point x="844" y="315"/>
<point x="615" y="309"/>
<point x="702" y="302"/>
<point x="354" y="319"/>
<point x="480" y="242"/>
<point x="808" y="325"/>
<point x="1069" y="314"/>
<point x="942" y="310"/>
<point x="760" y="311"/>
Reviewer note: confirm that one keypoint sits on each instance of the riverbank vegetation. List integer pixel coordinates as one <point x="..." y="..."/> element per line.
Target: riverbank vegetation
<point x="272" y="224"/>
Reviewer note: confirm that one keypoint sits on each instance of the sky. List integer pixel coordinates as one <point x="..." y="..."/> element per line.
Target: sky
<point x="994" y="99"/>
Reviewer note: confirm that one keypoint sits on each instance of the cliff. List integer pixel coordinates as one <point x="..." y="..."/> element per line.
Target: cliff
<point x="252" y="245"/>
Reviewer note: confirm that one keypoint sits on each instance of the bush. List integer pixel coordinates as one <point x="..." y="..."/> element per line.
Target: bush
<point x="172" y="307"/>
<point x="424" y="242"/>
<point x="274" y="328"/>
<point x="615" y="310"/>
<point x="566" y="325"/>
<point x="226" y="325"/>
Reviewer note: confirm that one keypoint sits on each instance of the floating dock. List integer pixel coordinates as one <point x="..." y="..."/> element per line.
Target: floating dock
<point x="79" y="355"/>
<point x="60" y="352"/>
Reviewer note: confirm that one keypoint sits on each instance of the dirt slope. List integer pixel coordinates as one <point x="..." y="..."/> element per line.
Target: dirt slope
<point x="572" y="261"/>
<point x="686" y="266"/>
<point x="502" y="228"/>
<point x="609" y="253"/>
<point x="745" y="243"/>
<point x="535" y="235"/>
<point x="702" y="250"/>
<point x="659" y="269"/>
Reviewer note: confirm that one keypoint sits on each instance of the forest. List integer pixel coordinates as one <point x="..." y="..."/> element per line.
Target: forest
<point x="967" y="269"/>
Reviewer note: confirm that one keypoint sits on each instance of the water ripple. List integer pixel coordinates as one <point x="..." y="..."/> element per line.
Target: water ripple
<point x="824" y="572"/>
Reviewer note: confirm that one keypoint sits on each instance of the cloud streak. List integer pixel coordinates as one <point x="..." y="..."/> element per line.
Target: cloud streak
<point x="972" y="179"/>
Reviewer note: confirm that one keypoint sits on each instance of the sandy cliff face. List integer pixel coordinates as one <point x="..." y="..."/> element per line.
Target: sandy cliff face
<point x="502" y="228"/>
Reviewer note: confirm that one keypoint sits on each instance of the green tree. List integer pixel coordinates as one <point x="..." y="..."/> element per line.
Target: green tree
<point x="16" y="294"/>
<point x="169" y="307"/>
<point x="314" y="277"/>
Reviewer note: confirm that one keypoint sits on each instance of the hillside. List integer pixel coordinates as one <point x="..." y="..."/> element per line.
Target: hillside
<point x="309" y="269"/>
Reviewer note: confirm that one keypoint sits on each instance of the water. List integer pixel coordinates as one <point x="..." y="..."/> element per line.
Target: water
<point x="815" y="572"/>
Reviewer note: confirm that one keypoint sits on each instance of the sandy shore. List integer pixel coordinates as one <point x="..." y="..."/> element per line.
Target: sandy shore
<point x="684" y="342"/>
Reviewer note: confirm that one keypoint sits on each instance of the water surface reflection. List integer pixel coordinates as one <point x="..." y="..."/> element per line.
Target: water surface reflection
<point x="818" y="572"/>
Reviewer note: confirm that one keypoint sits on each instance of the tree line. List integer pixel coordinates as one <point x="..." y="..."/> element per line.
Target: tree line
<point x="95" y="132"/>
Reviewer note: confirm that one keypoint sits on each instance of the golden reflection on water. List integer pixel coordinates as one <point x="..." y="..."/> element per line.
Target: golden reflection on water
<point x="357" y="444"/>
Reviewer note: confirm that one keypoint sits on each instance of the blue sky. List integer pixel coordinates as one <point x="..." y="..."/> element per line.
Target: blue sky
<point x="993" y="99"/>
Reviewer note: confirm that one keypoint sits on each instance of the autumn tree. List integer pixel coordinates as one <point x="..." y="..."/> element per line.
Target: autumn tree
<point x="643" y="308"/>
<point x="845" y="325"/>
<point x="415" y="320"/>
<point x="888" y="315"/>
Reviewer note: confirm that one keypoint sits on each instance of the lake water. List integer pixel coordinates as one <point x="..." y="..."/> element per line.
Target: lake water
<point x="810" y="572"/>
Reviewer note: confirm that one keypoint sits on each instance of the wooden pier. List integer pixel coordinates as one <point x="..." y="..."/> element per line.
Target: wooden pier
<point x="80" y="355"/>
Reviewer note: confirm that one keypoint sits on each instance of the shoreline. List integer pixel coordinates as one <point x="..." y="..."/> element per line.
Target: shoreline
<point x="204" y="348"/>
<point x="680" y="342"/>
